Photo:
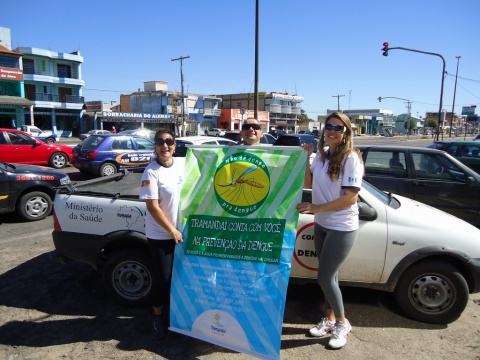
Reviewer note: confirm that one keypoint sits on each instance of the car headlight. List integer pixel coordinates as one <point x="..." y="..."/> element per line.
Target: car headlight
<point x="65" y="180"/>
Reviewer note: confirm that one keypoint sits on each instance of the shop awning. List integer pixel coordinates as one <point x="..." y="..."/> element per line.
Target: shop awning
<point x="15" y="101"/>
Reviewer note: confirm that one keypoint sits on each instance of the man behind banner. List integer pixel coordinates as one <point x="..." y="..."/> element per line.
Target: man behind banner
<point x="251" y="132"/>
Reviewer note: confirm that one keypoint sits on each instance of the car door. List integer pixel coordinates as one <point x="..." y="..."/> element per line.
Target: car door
<point x="442" y="184"/>
<point x="389" y="171"/>
<point x="5" y="147"/>
<point x="24" y="149"/>
<point x="469" y="155"/>
<point x="4" y="189"/>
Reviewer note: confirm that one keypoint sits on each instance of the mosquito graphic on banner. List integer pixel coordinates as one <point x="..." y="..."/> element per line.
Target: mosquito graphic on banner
<point x="239" y="222"/>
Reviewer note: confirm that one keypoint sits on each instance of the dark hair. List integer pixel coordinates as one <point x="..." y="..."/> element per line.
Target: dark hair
<point x="164" y="130"/>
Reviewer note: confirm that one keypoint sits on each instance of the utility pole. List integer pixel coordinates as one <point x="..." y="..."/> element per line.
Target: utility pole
<point x="454" y="93"/>
<point x="338" y="100"/>
<point x="257" y="31"/>
<point x="181" y="79"/>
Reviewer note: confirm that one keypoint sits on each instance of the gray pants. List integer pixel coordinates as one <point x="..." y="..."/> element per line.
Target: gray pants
<point x="332" y="248"/>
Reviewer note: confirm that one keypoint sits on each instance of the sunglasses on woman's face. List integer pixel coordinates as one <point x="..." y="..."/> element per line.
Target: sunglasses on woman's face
<point x="336" y="128"/>
<point x="246" y="127"/>
<point x="161" y="142"/>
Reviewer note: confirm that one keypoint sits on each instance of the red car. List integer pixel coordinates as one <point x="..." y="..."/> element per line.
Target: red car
<point x="19" y="147"/>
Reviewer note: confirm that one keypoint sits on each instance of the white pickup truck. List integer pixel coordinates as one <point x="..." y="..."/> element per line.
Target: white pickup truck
<point x="429" y="259"/>
<point x="44" y="135"/>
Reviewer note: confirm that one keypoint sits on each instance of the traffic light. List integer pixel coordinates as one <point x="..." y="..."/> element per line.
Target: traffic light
<point x="379" y="99"/>
<point x="385" y="49"/>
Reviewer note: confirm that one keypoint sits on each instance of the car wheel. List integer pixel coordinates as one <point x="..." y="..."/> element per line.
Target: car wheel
<point x="58" y="160"/>
<point x="433" y="292"/>
<point x="34" y="206"/>
<point x="50" y="140"/>
<point x="127" y="277"/>
<point x="107" y="169"/>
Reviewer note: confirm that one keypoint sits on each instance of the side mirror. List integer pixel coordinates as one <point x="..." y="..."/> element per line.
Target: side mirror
<point x="38" y="142"/>
<point x="366" y="212"/>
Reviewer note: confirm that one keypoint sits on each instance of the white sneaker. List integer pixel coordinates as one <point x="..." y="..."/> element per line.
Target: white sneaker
<point x="339" y="335"/>
<point x="322" y="328"/>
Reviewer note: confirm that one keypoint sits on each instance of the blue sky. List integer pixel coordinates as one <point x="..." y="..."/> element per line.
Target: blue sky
<point x="317" y="49"/>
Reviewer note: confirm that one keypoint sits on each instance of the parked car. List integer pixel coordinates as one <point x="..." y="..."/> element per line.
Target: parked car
<point x="93" y="132"/>
<point x="216" y="132"/>
<point x="19" y="147"/>
<point x="29" y="190"/>
<point x="468" y="152"/>
<point x="233" y="135"/>
<point x="182" y="142"/>
<point x="106" y="154"/>
<point x="276" y="133"/>
<point x="265" y="140"/>
<point x="429" y="259"/>
<point x="46" y="136"/>
<point x="146" y="133"/>
<point x="296" y="140"/>
<point x="430" y="176"/>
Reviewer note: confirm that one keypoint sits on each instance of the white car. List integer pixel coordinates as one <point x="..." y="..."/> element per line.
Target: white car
<point x="216" y="132"/>
<point x="429" y="259"/>
<point x="93" y="132"/>
<point x="145" y="133"/>
<point x="182" y="142"/>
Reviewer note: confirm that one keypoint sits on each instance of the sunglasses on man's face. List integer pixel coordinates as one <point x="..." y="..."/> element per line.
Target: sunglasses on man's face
<point x="161" y="142"/>
<point x="246" y="127"/>
<point x="336" y="128"/>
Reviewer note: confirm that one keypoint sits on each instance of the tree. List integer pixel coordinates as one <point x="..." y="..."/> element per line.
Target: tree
<point x="412" y="126"/>
<point x="303" y="117"/>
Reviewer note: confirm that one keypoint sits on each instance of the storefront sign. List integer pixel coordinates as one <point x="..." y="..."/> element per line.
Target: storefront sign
<point x="11" y="74"/>
<point x="137" y="116"/>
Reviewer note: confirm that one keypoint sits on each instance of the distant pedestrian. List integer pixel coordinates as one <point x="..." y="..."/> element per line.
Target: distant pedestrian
<point x="114" y="131"/>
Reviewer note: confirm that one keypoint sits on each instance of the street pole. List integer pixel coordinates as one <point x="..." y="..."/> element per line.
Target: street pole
<point x="181" y="79"/>
<point x="257" y="21"/>
<point x="338" y="100"/>
<point x="454" y="93"/>
<point x="385" y="53"/>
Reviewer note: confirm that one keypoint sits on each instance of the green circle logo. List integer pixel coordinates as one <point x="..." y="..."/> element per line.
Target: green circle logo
<point x="242" y="183"/>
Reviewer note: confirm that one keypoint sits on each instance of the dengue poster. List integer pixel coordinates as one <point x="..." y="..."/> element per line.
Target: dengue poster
<point x="239" y="223"/>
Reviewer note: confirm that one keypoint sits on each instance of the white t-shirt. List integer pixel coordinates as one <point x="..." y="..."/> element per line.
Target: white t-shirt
<point x="164" y="184"/>
<point x="325" y="190"/>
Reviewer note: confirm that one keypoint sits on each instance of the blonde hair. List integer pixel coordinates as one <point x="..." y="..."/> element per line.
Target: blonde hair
<point x="342" y="151"/>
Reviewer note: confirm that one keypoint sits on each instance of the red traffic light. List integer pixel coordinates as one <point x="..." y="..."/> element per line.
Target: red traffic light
<point x="385" y="49"/>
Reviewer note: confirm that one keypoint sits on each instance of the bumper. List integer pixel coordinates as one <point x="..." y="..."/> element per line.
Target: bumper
<point x="474" y="266"/>
<point x="79" y="247"/>
<point x="89" y="166"/>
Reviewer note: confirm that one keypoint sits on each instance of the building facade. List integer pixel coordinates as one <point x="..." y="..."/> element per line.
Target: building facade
<point x="53" y="82"/>
<point x="283" y="108"/>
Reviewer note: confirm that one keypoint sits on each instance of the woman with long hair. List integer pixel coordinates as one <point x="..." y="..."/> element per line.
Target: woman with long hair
<point x="335" y="177"/>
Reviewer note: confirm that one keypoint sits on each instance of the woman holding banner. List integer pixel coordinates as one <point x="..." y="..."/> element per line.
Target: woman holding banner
<point x="335" y="177"/>
<point x="161" y="185"/>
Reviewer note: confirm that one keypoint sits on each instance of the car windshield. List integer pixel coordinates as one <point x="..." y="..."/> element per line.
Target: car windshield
<point x="438" y="145"/>
<point x="91" y="142"/>
<point x="379" y="194"/>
